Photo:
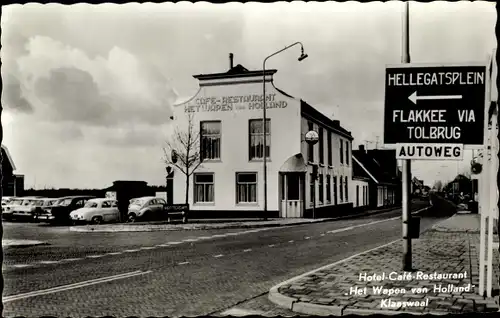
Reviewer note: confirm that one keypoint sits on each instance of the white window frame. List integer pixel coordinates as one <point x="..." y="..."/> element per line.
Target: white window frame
<point x="247" y="187"/>
<point x="212" y="137"/>
<point x="196" y="184"/>
<point x="259" y="136"/>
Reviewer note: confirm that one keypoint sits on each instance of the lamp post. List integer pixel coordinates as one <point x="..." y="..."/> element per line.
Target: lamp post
<point x="312" y="138"/>
<point x="264" y="113"/>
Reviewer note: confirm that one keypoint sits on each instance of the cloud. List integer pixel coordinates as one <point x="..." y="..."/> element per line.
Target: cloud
<point x="12" y="97"/>
<point x="66" y="85"/>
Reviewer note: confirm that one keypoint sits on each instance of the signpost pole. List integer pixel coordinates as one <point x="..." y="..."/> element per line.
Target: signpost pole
<point x="491" y="193"/>
<point x="406" y="164"/>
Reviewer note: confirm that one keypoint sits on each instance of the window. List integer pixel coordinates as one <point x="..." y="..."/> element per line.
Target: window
<point x="246" y="187"/>
<point x="346" y="190"/>
<point x="341" y="151"/>
<point x="357" y="195"/>
<point x="311" y="188"/>
<point x="328" y="189"/>
<point x="335" y="198"/>
<point x="203" y="187"/>
<point x="310" y="148"/>
<point x="329" y="148"/>
<point x="347" y="152"/>
<point x="364" y="195"/>
<point x="210" y="140"/>
<point x="321" y="189"/>
<point x="321" y="146"/>
<point x="256" y="139"/>
<point x="341" y="190"/>
<point x="114" y="204"/>
<point x="91" y="204"/>
<point x="105" y="204"/>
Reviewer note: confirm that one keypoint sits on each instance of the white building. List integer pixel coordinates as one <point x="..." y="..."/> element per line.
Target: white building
<point x="227" y="112"/>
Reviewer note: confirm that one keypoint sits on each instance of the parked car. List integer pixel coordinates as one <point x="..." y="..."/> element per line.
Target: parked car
<point x="43" y="208"/>
<point x="146" y="208"/>
<point x="60" y="213"/>
<point x="97" y="211"/>
<point x="9" y="207"/>
<point x="25" y="210"/>
<point x="6" y="201"/>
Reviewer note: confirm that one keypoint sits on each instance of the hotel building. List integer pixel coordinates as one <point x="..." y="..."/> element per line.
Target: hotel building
<point x="227" y="113"/>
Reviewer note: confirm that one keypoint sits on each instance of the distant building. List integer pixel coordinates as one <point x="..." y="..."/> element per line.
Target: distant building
<point x="12" y="184"/>
<point x="379" y="177"/>
<point x="228" y="112"/>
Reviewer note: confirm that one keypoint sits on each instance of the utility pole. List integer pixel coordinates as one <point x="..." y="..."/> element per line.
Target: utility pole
<point x="406" y="163"/>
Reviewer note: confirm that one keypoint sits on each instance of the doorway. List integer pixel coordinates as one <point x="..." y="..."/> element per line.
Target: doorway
<point x="292" y="194"/>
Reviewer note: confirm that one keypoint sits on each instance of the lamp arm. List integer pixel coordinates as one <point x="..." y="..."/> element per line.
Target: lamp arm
<point x="286" y="48"/>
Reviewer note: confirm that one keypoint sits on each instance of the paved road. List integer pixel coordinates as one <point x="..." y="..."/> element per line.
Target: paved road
<point x="174" y="273"/>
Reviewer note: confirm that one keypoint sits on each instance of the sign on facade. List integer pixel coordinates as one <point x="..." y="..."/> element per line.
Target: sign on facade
<point x="231" y="103"/>
<point x="431" y="112"/>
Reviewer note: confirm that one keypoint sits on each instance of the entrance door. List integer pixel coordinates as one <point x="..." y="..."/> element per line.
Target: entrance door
<point x="292" y="195"/>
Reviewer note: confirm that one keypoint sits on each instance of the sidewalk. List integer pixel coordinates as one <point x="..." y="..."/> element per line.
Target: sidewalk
<point x="448" y="248"/>
<point x="217" y="224"/>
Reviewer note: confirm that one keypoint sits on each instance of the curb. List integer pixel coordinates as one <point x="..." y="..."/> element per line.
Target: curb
<point x="24" y="245"/>
<point x="233" y="226"/>
<point x="294" y="304"/>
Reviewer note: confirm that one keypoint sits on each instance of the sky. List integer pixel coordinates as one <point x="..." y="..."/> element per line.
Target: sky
<point x="88" y="89"/>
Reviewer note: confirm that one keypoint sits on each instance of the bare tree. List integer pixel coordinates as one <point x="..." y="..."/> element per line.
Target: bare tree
<point x="183" y="151"/>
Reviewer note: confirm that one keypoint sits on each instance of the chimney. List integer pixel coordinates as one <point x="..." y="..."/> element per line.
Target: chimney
<point x="231" y="60"/>
<point x="362" y="148"/>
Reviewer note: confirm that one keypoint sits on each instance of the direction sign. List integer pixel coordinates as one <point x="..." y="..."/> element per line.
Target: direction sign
<point x="435" y="104"/>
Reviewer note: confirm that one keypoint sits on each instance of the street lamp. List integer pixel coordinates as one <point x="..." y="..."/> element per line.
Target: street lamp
<point x="312" y="138"/>
<point x="264" y="117"/>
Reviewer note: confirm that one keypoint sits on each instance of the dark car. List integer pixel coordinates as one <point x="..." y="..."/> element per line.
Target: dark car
<point x="60" y="212"/>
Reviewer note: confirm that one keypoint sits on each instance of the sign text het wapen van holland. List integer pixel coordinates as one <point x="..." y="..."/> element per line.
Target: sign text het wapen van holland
<point x="431" y="112"/>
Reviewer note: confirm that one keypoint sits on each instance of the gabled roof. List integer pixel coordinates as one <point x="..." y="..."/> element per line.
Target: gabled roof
<point x="9" y="158"/>
<point x="236" y="71"/>
<point x="369" y="167"/>
<point x="311" y="112"/>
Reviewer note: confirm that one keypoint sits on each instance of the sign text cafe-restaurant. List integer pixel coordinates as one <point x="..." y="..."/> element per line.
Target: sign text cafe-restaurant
<point x="227" y="111"/>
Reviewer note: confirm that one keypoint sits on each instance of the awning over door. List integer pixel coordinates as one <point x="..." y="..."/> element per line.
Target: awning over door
<point x="295" y="163"/>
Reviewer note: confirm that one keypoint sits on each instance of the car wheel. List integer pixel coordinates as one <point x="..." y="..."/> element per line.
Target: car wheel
<point x="96" y="220"/>
<point x="132" y="218"/>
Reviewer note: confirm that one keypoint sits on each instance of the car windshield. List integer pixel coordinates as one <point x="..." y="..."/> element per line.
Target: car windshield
<point x="28" y="202"/>
<point x="138" y="202"/>
<point x="91" y="204"/>
<point x="16" y="202"/>
<point x="65" y="202"/>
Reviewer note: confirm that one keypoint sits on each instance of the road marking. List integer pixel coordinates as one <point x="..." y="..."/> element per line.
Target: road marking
<point x="219" y="255"/>
<point x="191" y="240"/>
<point x="72" y="286"/>
<point x="174" y="243"/>
<point x="219" y="235"/>
<point x="115" y="253"/>
<point x="237" y="312"/>
<point x="21" y="265"/>
<point x="71" y="259"/>
<point x="48" y="262"/>
<point x="131" y="251"/>
<point x="272" y="245"/>
<point x="247" y="250"/>
<point x="232" y="234"/>
<point x="322" y="234"/>
<point x="205" y="237"/>
<point x="162" y="245"/>
<point x="307" y="237"/>
<point x="94" y="256"/>
<point x="291" y="241"/>
<point x="182" y="263"/>
<point x="341" y="230"/>
<point x="148" y="248"/>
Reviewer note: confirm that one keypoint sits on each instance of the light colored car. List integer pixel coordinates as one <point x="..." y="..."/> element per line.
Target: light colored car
<point x="146" y="208"/>
<point x="6" y="201"/>
<point x="97" y="211"/>
<point x="9" y="207"/>
<point x="26" y="208"/>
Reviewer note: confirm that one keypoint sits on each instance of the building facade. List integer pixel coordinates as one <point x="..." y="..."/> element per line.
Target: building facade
<point x="227" y="115"/>
<point x="12" y="184"/>
<point x="383" y="187"/>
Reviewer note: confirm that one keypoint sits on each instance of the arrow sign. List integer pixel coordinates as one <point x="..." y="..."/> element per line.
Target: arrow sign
<point x="414" y="97"/>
